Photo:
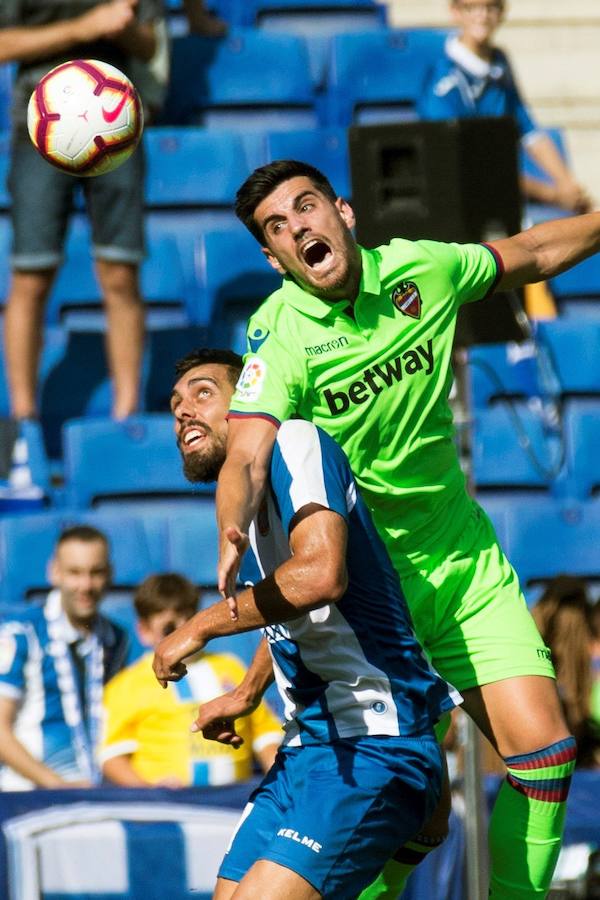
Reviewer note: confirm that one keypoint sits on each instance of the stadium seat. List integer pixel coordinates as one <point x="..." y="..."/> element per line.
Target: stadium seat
<point x="325" y="148"/>
<point x="546" y="537"/>
<point x="240" y="82"/>
<point x="501" y="370"/>
<point x="5" y="251"/>
<point x="213" y="162"/>
<point x="6" y="86"/>
<point x="25" y="485"/>
<point x="163" y="348"/>
<point x="574" y="347"/>
<point x="234" y="276"/>
<point x="136" y="460"/>
<point x="577" y="291"/>
<point x="166" y="278"/>
<point x="582" y="422"/>
<point x="377" y="76"/>
<point x="27" y="543"/>
<point x="511" y="449"/>
<point x="192" y="543"/>
<point x="4" y="157"/>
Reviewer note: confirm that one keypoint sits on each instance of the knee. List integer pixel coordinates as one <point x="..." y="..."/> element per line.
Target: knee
<point x="119" y="283"/>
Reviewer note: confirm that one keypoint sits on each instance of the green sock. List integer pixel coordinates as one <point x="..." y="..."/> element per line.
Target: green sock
<point x="527" y="822"/>
<point x="391" y="881"/>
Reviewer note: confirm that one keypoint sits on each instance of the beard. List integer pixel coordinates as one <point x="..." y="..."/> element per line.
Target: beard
<point x="204" y="466"/>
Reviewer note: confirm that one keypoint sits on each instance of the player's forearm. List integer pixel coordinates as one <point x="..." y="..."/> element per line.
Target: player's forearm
<point x="38" y="42"/>
<point x="14" y="755"/>
<point x="120" y="771"/>
<point x="239" y="490"/>
<point x="548" y="249"/>
<point x="258" y="677"/>
<point x="546" y="155"/>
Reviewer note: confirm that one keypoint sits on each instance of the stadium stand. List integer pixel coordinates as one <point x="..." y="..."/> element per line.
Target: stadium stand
<point x="6" y="80"/>
<point x="577" y="292"/>
<point x="108" y="462"/>
<point x="582" y="423"/>
<point x="240" y="83"/>
<point x="325" y="148"/>
<point x="4" y="142"/>
<point x="570" y="342"/>
<point x="500" y="371"/>
<point x="377" y="76"/>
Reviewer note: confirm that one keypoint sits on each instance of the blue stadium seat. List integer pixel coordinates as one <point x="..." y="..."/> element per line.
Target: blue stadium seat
<point x="325" y="148"/>
<point x="234" y="276"/>
<point x="546" y="537"/>
<point x="240" y="82"/>
<point x="577" y="291"/>
<point x="510" y="449"/>
<point x="582" y="422"/>
<point x="166" y="278"/>
<point x="5" y="251"/>
<point x="192" y="543"/>
<point x="7" y="71"/>
<point x="377" y="76"/>
<point x="501" y="370"/>
<point x="135" y="459"/>
<point x="4" y="151"/>
<point x="213" y="162"/>
<point x="27" y="543"/>
<point x="574" y="347"/>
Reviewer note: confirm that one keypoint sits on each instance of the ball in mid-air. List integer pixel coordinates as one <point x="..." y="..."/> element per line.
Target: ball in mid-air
<point x="85" y="117"/>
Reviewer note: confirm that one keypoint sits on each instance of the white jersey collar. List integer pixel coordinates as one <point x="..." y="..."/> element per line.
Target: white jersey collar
<point x="469" y="61"/>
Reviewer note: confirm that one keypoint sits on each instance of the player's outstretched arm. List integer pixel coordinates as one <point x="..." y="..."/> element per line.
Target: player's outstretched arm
<point x="240" y="488"/>
<point x="216" y="719"/>
<point x="314" y="576"/>
<point x="547" y="249"/>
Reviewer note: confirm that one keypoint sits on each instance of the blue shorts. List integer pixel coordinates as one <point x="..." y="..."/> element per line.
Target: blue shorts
<point x="335" y="813"/>
<point x="42" y="200"/>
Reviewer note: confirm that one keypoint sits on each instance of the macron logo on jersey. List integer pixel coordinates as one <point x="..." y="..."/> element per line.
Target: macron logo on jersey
<point x="377" y="378"/>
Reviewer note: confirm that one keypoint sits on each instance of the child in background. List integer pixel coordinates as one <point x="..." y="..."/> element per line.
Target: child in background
<point x="147" y="738"/>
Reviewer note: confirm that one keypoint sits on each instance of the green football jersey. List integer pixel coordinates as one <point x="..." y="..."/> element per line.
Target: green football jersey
<point x="377" y="378"/>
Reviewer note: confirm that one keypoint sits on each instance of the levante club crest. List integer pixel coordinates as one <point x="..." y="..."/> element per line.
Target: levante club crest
<point x="407" y="299"/>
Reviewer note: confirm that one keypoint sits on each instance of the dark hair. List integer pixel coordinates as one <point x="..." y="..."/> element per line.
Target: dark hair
<point x="169" y="591"/>
<point x="265" y="179"/>
<point x="86" y="533"/>
<point x="205" y="355"/>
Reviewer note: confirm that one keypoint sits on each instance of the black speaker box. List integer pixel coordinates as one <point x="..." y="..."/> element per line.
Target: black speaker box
<point x="449" y="181"/>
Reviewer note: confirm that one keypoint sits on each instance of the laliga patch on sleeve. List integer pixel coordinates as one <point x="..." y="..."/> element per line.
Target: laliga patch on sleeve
<point x="8" y="651"/>
<point x="252" y="379"/>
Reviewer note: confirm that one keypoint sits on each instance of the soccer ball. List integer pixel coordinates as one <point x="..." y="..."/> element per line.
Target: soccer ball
<point x="85" y="117"/>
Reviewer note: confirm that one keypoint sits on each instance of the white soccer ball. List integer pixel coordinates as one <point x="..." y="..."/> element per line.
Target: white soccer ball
<point x="85" y="117"/>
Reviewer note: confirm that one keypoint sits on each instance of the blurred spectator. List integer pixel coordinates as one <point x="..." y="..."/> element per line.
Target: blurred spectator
<point x="40" y="36"/>
<point x="147" y="731"/>
<point x="54" y="660"/>
<point x="474" y="78"/>
<point x="563" y="615"/>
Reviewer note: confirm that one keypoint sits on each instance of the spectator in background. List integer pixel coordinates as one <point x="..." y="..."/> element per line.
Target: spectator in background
<point x="563" y="615"/>
<point x="474" y="78"/>
<point x="147" y="738"/>
<point x="40" y="36"/>
<point x="54" y="660"/>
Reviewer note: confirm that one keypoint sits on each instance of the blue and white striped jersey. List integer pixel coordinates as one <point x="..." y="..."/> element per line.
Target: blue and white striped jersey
<point x="355" y="667"/>
<point x="57" y="720"/>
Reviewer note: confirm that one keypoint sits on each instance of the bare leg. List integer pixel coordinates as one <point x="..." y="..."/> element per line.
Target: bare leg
<point x="517" y="715"/>
<point x="224" y="889"/>
<point x="125" y="332"/>
<point x="23" y="333"/>
<point x="269" y="881"/>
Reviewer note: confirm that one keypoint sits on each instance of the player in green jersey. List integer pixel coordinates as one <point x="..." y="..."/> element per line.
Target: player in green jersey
<point x="359" y="341"/>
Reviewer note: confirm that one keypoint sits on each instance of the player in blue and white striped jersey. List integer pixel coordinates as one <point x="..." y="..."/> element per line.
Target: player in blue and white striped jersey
<point x="359" y="772"/>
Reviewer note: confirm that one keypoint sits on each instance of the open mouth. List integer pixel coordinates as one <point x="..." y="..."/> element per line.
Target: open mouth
<point x="315" y="253"/>
<point x="191" y="438"/>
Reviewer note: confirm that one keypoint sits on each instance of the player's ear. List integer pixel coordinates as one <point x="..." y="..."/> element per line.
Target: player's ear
<point x="273" y="261"/>
<point x="346" y="212"/>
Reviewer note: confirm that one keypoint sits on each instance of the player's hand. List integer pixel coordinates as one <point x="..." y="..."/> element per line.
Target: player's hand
<point x="571" y="196"/>
<point x="172" y="650"/>
<point x="108" y="20"/>
<point x="216" y="719"/>
<point x="234" y="544"/>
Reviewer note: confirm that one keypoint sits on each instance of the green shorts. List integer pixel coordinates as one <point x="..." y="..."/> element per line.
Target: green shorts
<point x="470" y="614"/>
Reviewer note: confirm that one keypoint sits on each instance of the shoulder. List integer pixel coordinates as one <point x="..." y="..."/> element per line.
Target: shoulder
<point x="298" y="437"/>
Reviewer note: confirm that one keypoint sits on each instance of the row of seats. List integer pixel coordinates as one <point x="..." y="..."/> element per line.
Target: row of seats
<point x="543" y="537"/>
